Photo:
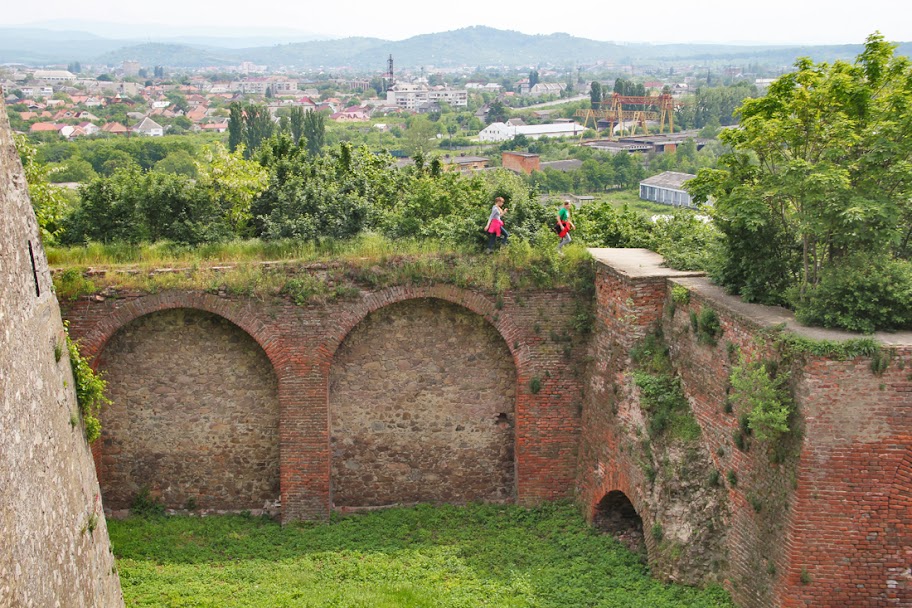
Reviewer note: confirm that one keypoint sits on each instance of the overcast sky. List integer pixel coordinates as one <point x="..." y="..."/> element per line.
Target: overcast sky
<point x="658" y="21"/>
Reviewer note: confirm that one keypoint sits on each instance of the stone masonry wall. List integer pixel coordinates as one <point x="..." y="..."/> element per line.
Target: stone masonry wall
<point x="421" y="403"/>
<point x="55" y="548"/>
<point x="194" y="418"/>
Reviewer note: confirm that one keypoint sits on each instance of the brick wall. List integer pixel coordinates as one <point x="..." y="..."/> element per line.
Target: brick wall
<point x="300" y="343"/>
<point x="520" y="162"/>
<point x="819" y="519"/>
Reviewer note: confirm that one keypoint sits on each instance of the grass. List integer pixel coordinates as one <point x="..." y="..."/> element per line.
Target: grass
<point x="480" y="555"/>
<point x="632" y="199"/>
<point x="309" y="272"/>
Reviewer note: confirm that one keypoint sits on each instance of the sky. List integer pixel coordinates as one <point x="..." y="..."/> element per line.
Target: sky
<point x="655" y="21"/>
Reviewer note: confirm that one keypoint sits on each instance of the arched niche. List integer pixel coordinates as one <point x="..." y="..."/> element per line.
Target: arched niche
<point x="422" y="409"/>
<point x="195" y="414"/>
<point x="616" y="515"/>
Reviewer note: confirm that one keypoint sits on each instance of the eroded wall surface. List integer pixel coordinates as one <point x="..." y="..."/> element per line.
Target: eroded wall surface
<point x="55" y="548"/>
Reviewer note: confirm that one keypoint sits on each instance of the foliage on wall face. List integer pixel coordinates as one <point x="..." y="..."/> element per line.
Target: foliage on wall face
<point x="90" y="390"/>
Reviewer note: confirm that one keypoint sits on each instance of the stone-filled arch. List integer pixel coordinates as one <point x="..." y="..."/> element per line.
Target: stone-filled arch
<point x="195" y="414"/>
<point x="422" y="408"/>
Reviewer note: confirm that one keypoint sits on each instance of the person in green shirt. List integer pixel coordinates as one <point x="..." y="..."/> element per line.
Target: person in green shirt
<point x="565" y="223"/>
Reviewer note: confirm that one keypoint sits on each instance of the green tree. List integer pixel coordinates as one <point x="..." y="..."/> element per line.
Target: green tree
<point x="258" y="127"/>
<point x="178" y="100"/>
<point x="497" y="112"/>
<point x="179" y="162"/>
<point x="419" y="135"/>
<point x="817" y="173"/>
<point x="296" y="123"/>
<point x="48" y="201"/>
<point x="314" y="131"/>
<point x="231" y="184"/>
<point x="235" y="126"/>
<point x="595" y="95"/>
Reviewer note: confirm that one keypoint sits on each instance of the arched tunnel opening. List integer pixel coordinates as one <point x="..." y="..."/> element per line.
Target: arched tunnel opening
<point x="616" y="515"/>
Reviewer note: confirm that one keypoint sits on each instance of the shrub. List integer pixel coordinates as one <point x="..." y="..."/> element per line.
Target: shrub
<point x="708" y="327"/>
<point x="145" y="505"/>
<point x="860" y="294"/>
<point x="680" y="294"/>
<point x="71" y="283"/>
<point x="763" y="396"/>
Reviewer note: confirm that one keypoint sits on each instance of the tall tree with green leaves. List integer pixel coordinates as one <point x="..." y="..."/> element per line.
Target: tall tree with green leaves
<point x="296" y="123"/>
<point x="314" y="131"/>
<point x="235" y="126"/>
<point x="595" y="95"/>
<point x="258" y="127"/>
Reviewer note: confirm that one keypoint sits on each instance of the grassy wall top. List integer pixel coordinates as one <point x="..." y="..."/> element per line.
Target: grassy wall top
<point x="309" y="272"/>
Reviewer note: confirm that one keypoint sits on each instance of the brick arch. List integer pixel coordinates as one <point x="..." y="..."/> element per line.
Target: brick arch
<point x="899" y="531"/>
<point x="94" y="339"/>
<point x="616" y="481"/>
<point x="474" y="301"/>
<point x="351" y="317"/>
<point x="94" y="332"/>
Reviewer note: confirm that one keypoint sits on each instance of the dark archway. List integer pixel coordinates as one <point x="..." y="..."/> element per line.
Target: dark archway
<point x="616" y="515"/>
<point x="195" y="414"/>
<point x="422" y="409"/>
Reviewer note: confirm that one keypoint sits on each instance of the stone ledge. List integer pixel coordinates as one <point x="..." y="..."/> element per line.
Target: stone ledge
<point x="764" y="317"/>
<point x="638" y="264"/>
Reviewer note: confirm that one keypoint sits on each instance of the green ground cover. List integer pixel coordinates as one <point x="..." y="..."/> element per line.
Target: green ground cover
<point x="480" y="555"/>
<point x="631" y="198"/>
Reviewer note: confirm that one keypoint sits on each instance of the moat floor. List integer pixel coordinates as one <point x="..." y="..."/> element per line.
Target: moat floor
<point x="480" y="555"/>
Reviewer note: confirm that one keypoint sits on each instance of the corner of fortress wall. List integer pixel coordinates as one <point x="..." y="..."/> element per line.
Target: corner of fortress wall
<point x="54" y="539"/>
<point x="829" y="524"/>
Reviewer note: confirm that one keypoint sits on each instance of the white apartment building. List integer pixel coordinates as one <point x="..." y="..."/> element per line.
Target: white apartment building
<point x="413" y="96"/>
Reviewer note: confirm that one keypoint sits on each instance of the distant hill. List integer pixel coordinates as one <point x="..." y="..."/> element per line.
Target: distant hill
<point x="173" y="55"/>
<point x="472" y="46"/>
<point x="39" y="47"/>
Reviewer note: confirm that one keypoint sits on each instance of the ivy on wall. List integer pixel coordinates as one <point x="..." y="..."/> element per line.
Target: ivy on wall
<point x="90" y="390"/>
